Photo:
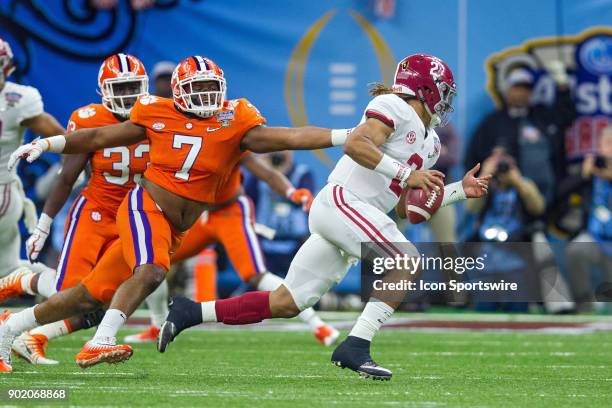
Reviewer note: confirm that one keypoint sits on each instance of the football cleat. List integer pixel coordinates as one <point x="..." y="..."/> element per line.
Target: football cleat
<point x="10" y="285"/>
<point x="326" y="335"/>
<point x="6" y="339"/>
<point x="106" y="351"/>
<point x="183" y="313"/>
<point x="147" y="336"/>
<point x="354" y="353"/>
<point x="31" y="347"/>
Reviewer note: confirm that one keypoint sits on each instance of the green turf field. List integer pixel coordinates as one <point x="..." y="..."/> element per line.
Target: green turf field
<point x="288" y="369"/>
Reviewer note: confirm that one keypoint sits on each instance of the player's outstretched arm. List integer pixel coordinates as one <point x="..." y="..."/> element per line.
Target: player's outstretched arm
<point x="72" y="166"/>
<point x="263" y="139"/>
<point x="81" y="141"/>
<point x="44" y="124"/>
<point x="277" y="181"/>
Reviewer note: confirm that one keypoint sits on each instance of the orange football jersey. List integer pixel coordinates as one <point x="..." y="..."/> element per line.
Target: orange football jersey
<point x="114" y="170"/>
<point x="191" y="156"/>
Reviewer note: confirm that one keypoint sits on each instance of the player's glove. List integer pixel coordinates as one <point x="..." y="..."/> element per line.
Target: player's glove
<point x="301" y="196"/>
<point x="36" y="242"/>
<point x="32" y="151"/>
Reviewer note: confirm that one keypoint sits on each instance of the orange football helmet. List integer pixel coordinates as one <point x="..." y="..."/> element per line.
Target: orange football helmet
<point x="121" y="80"/>
<point x="6" y="61"/>
<point x="189" y="89"/>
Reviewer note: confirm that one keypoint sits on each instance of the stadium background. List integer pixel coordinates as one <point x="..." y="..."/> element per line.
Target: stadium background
<point x="294" y="61"/>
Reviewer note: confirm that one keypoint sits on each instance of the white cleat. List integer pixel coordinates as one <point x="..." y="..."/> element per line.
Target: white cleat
<point x="31" y="347"/>
<point x="326" y="335"/>
<point x="6" y="339"/>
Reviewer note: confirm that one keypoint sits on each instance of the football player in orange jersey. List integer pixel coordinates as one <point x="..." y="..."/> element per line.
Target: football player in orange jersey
<point x="90" y="226"/>
<point x="197" y="138"/>
<point x="234" y="227"/>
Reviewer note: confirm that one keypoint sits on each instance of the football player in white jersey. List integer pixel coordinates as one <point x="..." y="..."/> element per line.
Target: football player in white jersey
<point x="390" y="151"/>
<point x="21" y="107"/>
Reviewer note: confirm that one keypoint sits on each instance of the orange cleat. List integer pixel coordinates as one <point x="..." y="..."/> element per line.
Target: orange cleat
<point x="326" y="335"/>
<point x="106" y="352"/>
<point x="10" y="285"/>
<point x="147" y="336"/>
<point x="31" y="347"/>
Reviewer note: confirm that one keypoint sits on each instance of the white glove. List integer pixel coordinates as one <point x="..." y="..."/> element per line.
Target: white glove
<point x="36" y="242"/>
<point x="558" y="72"/>
<point x="32" y="151"/>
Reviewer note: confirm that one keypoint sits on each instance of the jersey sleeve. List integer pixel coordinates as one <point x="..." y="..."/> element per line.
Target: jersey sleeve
<point x="138" y="114"/>
<point x="31" y="104"/>
<point x="385" y="109"/>
<point x="73" y="122"/>
<point x="249" y="116"/>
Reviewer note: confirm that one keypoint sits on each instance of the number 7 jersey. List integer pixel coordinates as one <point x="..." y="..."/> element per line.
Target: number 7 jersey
<point x="114" y="170"/>
<point x="191" y="156"/>
<point x="410" y="143"/>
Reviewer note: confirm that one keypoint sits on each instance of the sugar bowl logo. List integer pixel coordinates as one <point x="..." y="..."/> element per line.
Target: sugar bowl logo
<point x="588" y="57"/>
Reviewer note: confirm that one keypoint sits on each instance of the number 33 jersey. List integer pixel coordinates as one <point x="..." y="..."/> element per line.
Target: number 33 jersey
<point x="114" y="170"/>
<point x="191" y="156"/>
<point x="410" y="143"/>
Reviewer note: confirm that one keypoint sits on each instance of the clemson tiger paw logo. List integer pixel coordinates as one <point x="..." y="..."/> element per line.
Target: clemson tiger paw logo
<point x="148" y="99"/>
<point x="86" y="113"/>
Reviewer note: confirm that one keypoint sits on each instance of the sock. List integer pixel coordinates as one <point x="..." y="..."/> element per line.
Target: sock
<point x="270" y="282"/>
<point x="110" y="325"/>
<point x="53" y="330"/>
<point x="46" y="283"/>
<point x="26" y="283"/>
<point x="22" y="321"/>
<point x="252" y="307"/>
<point x="310" y="317"/>
<point x="157" y="302"/>
<point x="373" y="316"/>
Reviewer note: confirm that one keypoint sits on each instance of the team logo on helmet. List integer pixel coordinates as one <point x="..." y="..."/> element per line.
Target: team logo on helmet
<point x="122" y="79"/>
<point x="198" y="86"/>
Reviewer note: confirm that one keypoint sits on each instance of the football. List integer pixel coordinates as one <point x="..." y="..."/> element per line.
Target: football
<point x="420" y="206"/>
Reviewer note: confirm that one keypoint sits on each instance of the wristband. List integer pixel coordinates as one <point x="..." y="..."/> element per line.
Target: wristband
<point x="393" y="169"/>
<point x="290" y="191"/>
<point x="339" y="136"/>
<point x="453" y="193"/>
<point x="54" y="144"/>
<point x="44" y="223"/>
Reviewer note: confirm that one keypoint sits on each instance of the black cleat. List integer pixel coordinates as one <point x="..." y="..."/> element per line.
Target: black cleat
<point x="354" y="353"/>
<point x="183" y="313"/>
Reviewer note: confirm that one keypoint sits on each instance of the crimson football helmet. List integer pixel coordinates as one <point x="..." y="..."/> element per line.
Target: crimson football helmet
<point x="6" y="61"/>
<point x="194" y="70"/>
<point x="429" y="79"/>
<point x="121" y="80"/>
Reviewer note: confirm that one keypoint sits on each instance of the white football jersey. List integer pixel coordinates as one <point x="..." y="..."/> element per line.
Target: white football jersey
<point x="17" y="103"/>
<point x="411" y="143"/>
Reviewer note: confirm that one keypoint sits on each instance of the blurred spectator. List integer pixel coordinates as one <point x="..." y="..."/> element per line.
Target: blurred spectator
<point x="444" y="220"/>
<point x="532" y="134"/>
<point x="593" y="246"/>
<point x="162" y="77"/>
<point x="511" y="200"/>
<point x="502" y="217"/>
<point x="280" y="214"/>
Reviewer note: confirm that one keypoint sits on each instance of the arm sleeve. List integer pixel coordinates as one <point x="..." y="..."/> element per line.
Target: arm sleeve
<point x="383" y="108"/>
<point x="73" y="122"/>
<point x="31" y="105"/>
<point x="249" y="116"/>
<point x="137" y="114"/>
